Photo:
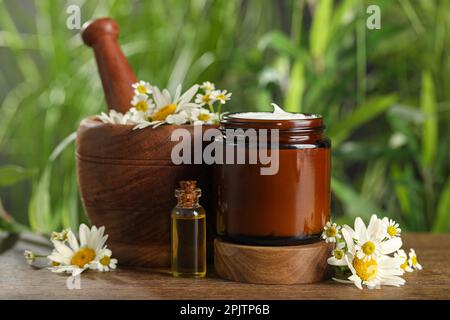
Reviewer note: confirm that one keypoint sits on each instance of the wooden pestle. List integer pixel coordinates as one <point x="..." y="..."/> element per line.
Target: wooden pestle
<point x="114" y="69"/>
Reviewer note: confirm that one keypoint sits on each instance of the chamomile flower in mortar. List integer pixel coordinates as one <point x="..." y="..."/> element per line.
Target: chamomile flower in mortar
<point x="142" y="87"/>
<point x="368" y="241"/>
<point x="331" y="232"/>
<point x="383" y="270"/>
<point x="178" y="118"/>
<point x="208" y="87"/>
<point x="114" y="117"/>
<point x="338" y="255"/>
<point x="412" y="261"/>
<point x="104" y="262"/>
<point x="76" y="256"/>
<point x="391" y="227"/>
<point x="142" y="103"/>
<point x="202" y="116"/>
<point x="167" y="105"/>
<point x="401" y="254"/>
<point x="221" y="95"/>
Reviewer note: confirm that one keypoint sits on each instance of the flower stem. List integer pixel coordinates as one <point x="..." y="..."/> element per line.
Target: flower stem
<point x="219" y="109"/>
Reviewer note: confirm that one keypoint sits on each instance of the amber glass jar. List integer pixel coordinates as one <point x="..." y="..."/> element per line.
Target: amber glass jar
<point x="289" y="207"/>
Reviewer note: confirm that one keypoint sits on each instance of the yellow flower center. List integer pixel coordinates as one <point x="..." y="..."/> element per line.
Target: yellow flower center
<point x="55" y="264"/>
<point x="221" y="97"/>
<point x="338" y="254"/>
<point x="141" y="105"/>
<point x="105" y="260"/>
<point x="204" y="117"/>
<point x="331" y="232"/>
<point x="392" y="231"/>
<point x="206" y="98"/>
<point x="404" y="265"/>
<point x="141" y="89"/>
<point x="414" y="260"/>
<point x="162" y="113"/>
<point x="82" y="257"/>
<point x="366" y="270"/>
<point x="368" y="248"/>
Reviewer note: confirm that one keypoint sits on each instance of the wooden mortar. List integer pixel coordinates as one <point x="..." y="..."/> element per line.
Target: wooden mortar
<point x="126" y="177"/>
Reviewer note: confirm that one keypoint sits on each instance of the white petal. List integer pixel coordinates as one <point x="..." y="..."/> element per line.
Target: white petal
<point x="360" y="229"/>
<point x="167" y="96"/>
<point x="390" y="246"/>
<point x="101" y="243"/>
<point x="348" y="239"/>
<point x="177" y="93"/>
<point x="335" y="262"/>
<point x="188" y="95"/>
<point x="84" y="234"/>
<point x="374" y="228"/>
<point x="77" y="271"/>
<point x="159" y="98"/>
<point x="341" y="281"/>
<point x="73" y="242"/>
<point x="57" y="257"/>
<point x="64" y="250"/>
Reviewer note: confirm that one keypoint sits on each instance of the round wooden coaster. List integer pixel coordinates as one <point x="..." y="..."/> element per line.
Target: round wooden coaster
<point x="272" y="265"/>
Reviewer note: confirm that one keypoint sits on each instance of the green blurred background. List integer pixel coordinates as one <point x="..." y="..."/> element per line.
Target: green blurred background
<point x="385" y="94"/>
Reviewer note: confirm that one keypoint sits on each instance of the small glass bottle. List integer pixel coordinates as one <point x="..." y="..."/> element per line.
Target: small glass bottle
<point x="188" y="233"/>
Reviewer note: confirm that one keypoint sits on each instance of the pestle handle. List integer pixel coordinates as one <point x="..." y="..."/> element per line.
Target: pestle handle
<point x="114" y="69"/>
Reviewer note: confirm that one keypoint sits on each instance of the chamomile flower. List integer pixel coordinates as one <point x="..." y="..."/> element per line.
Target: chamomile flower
<point x="114" y="117"/>
<point x="412" y="261"/>
<point x="208" y="86"/>
<point x="202" y="116"/>
<point x="104" y="262"/>
<point x="75" y="257"/>
<point x="205" y="99"/>
<point x="401" y="254"/>
<point x="178" y="118"/>
<point x="142" y="87"/>
<point x="30" y="256"/>
<point x="331" y="232"/>
<point x="392" y="228"/>
<point x="368" y="242"/>
<point x="221" y="95"/>
<point x="59" y="236"/>
<point x="338" y="255"/>
<point x="167" y="105"/>
<point x="373" y="273"/>
<point x="141" y="103"/>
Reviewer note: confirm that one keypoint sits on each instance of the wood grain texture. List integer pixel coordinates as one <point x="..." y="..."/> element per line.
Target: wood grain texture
<point x="127" y="182"/>
<point x="272" y="265"/>
<point x="20" y="281"/>
<point x="114" y="69"/>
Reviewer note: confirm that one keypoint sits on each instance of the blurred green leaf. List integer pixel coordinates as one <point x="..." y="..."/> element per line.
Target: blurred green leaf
<point x="318" y="36"/>
<point x="63" y="145"/>
<point x="358" y="118"/>
<point x="400" y="190"/>
<point x="11" y="174"/>
<point x="7" y="222"/>
<point x="39" y="208"/>
<point x="279" y="42"/>
<point x="442" y="221"/>
<point x="355" y="205"/>
<point x="430" y="125"/>
<point x="296" y="87"/>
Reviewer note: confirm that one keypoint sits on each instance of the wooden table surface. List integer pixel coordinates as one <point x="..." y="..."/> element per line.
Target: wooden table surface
<point x="20" y="281"/>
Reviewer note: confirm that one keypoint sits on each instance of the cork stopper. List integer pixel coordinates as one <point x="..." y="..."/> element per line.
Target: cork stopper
<point x="188" y="193"/>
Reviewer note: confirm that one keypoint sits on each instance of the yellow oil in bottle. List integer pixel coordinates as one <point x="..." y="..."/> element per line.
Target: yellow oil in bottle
<point x="188" y="234"/>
